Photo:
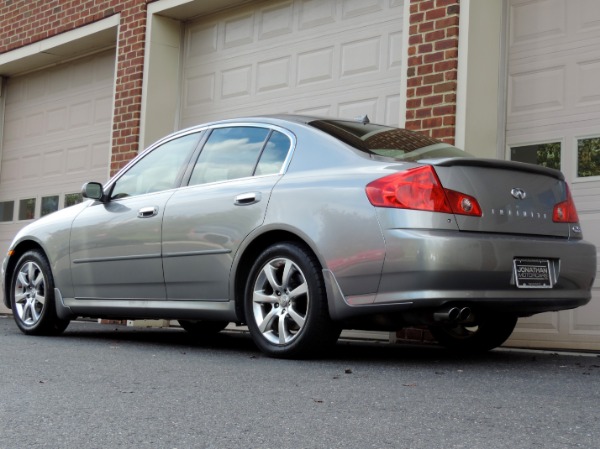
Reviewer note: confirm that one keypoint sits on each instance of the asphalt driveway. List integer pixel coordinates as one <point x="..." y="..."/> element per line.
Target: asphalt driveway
<point x="105" y="386"/>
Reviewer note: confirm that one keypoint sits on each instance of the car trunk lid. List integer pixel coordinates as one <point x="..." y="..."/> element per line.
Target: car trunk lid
<point x="515" y="198"/>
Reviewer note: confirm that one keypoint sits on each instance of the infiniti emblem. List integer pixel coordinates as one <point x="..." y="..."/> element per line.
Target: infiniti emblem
<point x="519" y="194"/>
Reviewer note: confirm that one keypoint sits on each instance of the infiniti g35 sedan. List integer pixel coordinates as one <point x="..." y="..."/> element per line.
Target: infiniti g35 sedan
<point x="302" y="226"/>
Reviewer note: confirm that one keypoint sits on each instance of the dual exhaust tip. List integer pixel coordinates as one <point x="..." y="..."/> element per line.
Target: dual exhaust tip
<point x="453" y="315"/>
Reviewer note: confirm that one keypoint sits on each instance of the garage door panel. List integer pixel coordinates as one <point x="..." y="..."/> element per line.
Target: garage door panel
<point x="276" y="21"/>
<point x="543" y="26"/>
<point x="282" y="57"/>
<point x="554" y="96"/>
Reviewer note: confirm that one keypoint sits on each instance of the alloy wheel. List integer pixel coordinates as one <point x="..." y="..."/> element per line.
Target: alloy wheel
<point x="30" y="293"/>
<point x="280" y="301"/>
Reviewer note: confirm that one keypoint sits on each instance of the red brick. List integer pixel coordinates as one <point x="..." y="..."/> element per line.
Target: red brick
<point x="452" y="31"/>
<point x="413" y="124"/>
<point x="446" y="44"/>
<point x="425" y="27"/>
<point x="435" y="36"/>
<point x="437" y="13"/>
<point x="450" y="75"/>
<point x="453" y="9"/>
<point x="415" y="61"/>
<point x="417" y="17"/>
<point x="414" y="81"/>
<point x="433" y="57"/>
<point x="433" y="100"/>
<point x="449" y="120"/>
<point x="425" y="48"/>
<point x="415" y="39"/>
<point x="451" y="54"/>
<point x="424" y="90"/>
<point x="413" y="103"/>
<point x="426" y="5"/>
<point x="442" y="132"/>
<point x="433" y="122"/>
<point x="433" y="79"/>
<point x="423" y="113"/>
<point x="450" y="98"/>
<point x="440" y="3"/>
<point x="446" y="65"/>
<point x="448" y="109"/>
<point x="449" y="86"/>
<point x="425" y="69"/>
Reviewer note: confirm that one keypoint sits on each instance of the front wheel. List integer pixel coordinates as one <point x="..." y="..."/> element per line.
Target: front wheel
<point x="481" y="333"/>
<point x="32" y="296"/>
<point x="286" y="305"/>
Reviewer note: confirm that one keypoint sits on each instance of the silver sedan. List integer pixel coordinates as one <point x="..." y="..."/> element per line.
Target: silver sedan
<point x="301" y="226"/>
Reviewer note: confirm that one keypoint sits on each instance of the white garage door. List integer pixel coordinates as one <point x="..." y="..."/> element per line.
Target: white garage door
<point x="56" y="136"/>
<point x="326" y="57"/>
<point x="553" y="118"/>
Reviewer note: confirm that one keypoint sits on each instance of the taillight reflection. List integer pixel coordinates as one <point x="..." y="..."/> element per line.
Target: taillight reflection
<point x="420" y="189"/>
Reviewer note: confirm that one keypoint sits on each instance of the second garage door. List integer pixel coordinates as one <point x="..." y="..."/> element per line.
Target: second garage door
<point x="56" y="136"/>
<point x="553" y="119"/>
<point x="326" y="57"/>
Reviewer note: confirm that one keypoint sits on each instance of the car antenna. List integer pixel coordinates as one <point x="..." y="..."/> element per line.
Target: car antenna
<point x="363" y="119"/>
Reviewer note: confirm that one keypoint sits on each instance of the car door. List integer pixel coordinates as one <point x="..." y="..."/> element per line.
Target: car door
<point x="227" y="198"/>
<point x="116" y="244"/>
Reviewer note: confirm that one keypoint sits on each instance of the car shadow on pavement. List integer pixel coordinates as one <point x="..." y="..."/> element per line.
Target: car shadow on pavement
<point x="240" y="342"/>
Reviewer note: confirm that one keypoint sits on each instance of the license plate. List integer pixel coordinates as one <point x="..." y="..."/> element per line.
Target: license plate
<point x="532" y="273"/>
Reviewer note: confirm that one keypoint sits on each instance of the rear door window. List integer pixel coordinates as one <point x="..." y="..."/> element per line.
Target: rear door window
<point x="274" y="155"/>
<point x="229" y="153"/>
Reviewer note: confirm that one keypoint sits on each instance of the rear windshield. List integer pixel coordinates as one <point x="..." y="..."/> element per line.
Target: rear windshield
<point x="387" y="142"/>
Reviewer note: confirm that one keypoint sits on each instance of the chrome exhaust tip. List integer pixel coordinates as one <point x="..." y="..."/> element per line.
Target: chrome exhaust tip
<point x="451" y="314"/>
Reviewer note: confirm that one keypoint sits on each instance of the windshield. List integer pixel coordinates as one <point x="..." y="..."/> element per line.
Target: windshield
<point x="388" y="142"/>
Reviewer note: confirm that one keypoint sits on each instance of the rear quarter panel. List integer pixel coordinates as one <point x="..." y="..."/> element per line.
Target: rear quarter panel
<point x="322" y="199"/>
<point x="332" y="214"/>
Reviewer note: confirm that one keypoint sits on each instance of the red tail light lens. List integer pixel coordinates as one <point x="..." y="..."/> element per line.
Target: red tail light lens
<point x="565" y="212"/>
<point x="463" y="204"/>
<point x="420" y="189"/>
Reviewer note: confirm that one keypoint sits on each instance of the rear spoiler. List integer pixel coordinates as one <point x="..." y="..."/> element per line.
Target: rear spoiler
<point x="495" y="163"/>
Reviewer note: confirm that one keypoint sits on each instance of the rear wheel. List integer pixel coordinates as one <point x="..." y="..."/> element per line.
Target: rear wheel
<point x="479" y="334"/>
<point x="286" y="304"/>
<point x="203" y="328"/>
<point x="32" y="296"/>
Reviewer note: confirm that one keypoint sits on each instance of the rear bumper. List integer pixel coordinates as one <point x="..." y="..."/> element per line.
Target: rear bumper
<point x="427" y="269"/>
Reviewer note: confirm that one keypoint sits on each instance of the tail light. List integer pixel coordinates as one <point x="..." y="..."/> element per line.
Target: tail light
<point x="565" y="212"/>
<point x="420" y="189"/>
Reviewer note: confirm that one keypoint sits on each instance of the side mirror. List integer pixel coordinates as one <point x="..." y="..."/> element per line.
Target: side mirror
<point x="92" y="190"/>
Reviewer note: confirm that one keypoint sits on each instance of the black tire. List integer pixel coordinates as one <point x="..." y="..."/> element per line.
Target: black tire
<point x="286" y="304"/>
<point x="32" y="296"/>
<point x="203" y="329"/>
<point x="480" y="334"/>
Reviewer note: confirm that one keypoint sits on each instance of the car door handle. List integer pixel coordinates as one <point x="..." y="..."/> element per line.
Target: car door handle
<point x="147" y="212"/>
<point x="245" y="199"/>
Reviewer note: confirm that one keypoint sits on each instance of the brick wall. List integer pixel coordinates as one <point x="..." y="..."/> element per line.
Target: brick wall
<point x="432" y="67"/>
<point x="23" y="22"/>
